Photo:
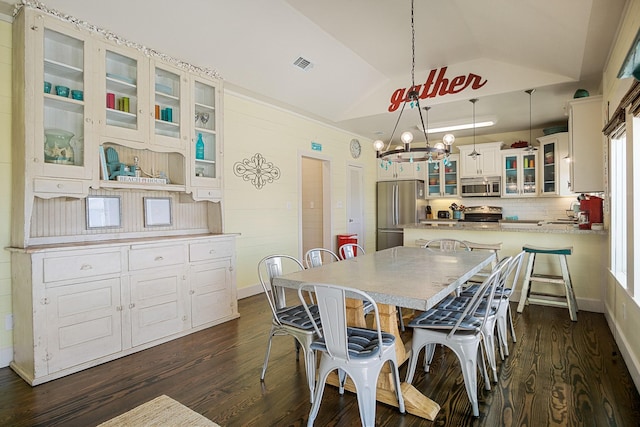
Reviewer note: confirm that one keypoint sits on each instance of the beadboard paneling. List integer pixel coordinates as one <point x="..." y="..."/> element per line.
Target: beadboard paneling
<point x="66" y="217"/>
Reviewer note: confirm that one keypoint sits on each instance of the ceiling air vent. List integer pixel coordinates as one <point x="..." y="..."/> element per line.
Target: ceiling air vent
<point x="303" y="64"/>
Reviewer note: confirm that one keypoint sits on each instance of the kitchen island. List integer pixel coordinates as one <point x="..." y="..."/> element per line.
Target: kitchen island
<point x="587" y="264"/>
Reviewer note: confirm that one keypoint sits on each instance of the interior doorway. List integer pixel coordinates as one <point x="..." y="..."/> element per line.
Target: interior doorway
<point x="315" y="203"/>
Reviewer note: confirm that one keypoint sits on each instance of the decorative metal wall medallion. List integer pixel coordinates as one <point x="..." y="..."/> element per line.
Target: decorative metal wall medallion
<point x="257" y="170"/>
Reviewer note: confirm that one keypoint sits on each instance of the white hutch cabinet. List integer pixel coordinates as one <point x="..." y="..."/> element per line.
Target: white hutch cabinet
<point x="82" y="296"/>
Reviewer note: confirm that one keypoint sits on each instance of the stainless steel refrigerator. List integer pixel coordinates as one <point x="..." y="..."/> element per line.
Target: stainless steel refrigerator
<point x="399" y="202"/>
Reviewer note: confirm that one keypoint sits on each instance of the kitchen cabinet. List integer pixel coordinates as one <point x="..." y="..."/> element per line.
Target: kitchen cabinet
<point x="391" y="171"/>
<point x="586" y="145"/>
<point x="442" y="181"/>
<point x="484" y="165"/>
<point x="519" y="178"/>
<point x="76" y="306"/>
<point x="554" y="165"/>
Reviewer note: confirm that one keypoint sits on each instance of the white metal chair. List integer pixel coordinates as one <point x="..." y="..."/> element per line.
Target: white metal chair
<point x="314" y="257"/>
<point x="463" y="331"/>
<point x="503" y="316"/>
<point x="355" y="352"/>
<point x="447" y="245"/>
<point x="294" y="321"/>
<point x="493" y="247"/>
<point x="349" y="250"/>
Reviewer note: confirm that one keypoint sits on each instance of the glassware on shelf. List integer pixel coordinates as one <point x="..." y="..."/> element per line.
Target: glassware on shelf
<point x="200" y="148"/>
<point x="57" y="147"/>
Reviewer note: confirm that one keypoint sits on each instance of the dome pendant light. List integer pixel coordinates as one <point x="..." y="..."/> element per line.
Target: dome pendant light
<point x="530" y="147"/>
<point x="474" y="153"/>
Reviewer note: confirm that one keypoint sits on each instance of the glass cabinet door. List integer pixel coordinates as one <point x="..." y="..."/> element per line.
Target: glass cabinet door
<point x="450" y="173"/>
<point x="511" y="183"/>
<point x="549" y="168"/>
<point x="529" y="185"/>
<point x="204" y="145"/>
<point x="434" y="180"/>
<point x="62" y="81"/>
<point x="169" y="115"/>
<point x="124" y="87"/>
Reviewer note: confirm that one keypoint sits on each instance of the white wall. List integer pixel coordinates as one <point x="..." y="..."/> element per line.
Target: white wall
<point x="6" y="337"/>
<point x="621" y="309"/>
<point x="269" y="219"/>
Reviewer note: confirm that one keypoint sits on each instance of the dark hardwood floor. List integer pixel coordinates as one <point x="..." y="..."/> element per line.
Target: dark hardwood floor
<point x="559" y="373"/>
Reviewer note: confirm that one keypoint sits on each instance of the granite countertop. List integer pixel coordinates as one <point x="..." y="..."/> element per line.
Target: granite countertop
<point x="523" y="226"/>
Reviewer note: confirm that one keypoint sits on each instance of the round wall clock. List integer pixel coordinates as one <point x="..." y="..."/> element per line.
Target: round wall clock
<point x="355" y="148"/>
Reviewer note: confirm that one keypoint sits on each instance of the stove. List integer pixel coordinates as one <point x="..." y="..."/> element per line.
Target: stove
<point x="482" y="214"/>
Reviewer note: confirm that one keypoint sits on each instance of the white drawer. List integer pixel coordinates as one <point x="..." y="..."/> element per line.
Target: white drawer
<point x="58" y="186"/>
<point x="208" y="193"/>
<point x="211" y="249"/>
<point x="69" y="267"/>
<point x="157" y="256"/>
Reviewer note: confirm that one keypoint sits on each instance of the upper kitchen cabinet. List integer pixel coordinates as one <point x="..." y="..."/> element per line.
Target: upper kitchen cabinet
<point x="553" y="167"/>
<point x="483" y="165"/>
<point x="442" y="181"/>
<point x="53" y="113"/>
<point x="205" y="152"/>
<point x="586" y="147"/>
<point x="391" y="171"/>
<point x="519" y="178"/>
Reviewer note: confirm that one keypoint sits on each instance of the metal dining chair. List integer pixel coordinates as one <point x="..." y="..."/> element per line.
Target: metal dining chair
<point x="358" y="353"/>
<point x="504" y="317"/>
<point x="447" y="245"/>
<point x="463" y="331"/>
<point x="314" y="257"/>
<point x="297" y="321"/>
<point x="349" y="250"/>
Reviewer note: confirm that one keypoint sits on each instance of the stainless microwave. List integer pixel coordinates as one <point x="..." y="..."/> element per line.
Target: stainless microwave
<point x="480" y="187"/>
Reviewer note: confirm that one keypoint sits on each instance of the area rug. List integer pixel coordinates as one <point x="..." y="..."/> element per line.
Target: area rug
<point x="161" y="411"/>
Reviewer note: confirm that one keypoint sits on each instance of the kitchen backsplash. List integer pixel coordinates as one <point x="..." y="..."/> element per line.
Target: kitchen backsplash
<point x="534" y="208"/>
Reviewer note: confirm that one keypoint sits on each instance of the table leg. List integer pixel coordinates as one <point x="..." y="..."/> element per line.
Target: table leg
<point x="415" y="402"/>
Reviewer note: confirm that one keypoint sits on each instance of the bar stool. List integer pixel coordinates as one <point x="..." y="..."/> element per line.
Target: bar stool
<point x="527" y="296"/>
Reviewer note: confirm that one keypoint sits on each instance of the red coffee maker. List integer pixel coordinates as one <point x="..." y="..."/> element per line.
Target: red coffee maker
<point x="592" y="205"/>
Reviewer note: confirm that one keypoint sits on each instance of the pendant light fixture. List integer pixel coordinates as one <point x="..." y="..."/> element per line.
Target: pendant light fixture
<point x="406" y="153"/>
<point x="529" y="146"/>
<point x="474" y="153"/>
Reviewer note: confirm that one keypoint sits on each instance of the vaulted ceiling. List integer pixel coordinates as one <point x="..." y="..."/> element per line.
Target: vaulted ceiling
<point x="360" y="52"/>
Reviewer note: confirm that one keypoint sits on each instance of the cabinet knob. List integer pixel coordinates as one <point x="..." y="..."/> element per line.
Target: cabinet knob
<point x="86" y="267"/>
<point x="59" y="185"/>
<point x="159" y="258"/>
<point x="191" y="292"/>
<point x="231" y="268"/>
<point x="119" y="308"/>
<point x="35" y="160"/>
<point x="212" y="251"/>
<point x="184" y="318"/>
<point x="132" y="305"/>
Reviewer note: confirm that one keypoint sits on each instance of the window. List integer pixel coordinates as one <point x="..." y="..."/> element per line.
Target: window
<point x="618" y="191"/>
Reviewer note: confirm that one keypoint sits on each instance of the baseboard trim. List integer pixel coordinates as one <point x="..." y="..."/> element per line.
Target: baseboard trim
<point x="630" y="360"/>
<point x="249" y="291"/>
<point x="6" y="356"/>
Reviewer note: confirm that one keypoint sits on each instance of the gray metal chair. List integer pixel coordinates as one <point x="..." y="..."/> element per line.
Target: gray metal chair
<point x="447" y="245"/>
<point x="462" y="330"/>
<point x="504" y="292"/>
<point x="314" y="257"/>
<point x="294" y="321"/>
<point x="349" y="250"/>
<point x="355" y="352"/>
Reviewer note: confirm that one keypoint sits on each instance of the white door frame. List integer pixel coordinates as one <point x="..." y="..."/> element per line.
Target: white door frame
<point x="348" y="211"/>
<point x="327" y="219"/>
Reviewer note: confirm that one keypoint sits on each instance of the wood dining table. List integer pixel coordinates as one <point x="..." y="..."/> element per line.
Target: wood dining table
<point x="407" y="277"/>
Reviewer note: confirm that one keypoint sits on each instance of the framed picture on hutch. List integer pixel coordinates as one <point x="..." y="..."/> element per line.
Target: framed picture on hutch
<point x="103" y="212"/>
<point x="157" y="211"/>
